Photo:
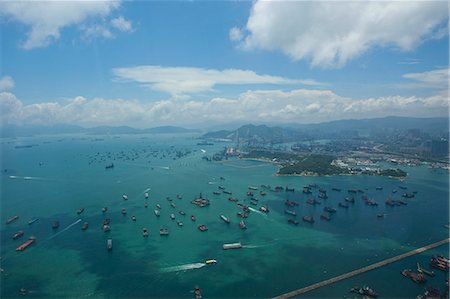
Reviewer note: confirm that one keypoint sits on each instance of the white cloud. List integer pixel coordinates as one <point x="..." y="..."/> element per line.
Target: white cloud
<point x="182" y="80"/>
<point x="46" y="19"/>
<point x="121" y="24"/>
<point x="6" y="83"/>
<point x="236" y="34"/>
<point x="329" y="34"/>
<point x="431" y="79"/>
<point x="298" y="105"/>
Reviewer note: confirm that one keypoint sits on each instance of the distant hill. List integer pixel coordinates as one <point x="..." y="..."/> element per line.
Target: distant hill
<point x="331" y="130"/>
<point x="27" y="130"/>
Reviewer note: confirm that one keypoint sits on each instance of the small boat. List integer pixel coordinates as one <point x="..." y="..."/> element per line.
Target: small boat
<point x="350" y="199"/>
<point x="193" y="218"/>
<point x="18" y="235"/>
<point x="221" y="187"/>
<point x="325" y="216"/>
<point x="145" y="204"/>
<point x="13" y="218"/>
<point x="80" y="210"/>
<point x="237" y="245"/>
<point x="197" y="293"/>
<point x="379" y="188"/>
<point x="343" y="205"/>
<point x="380" y="215"/>
<point x="173" y="205"/>
<point x="242" y="214"/>
<point x="125" y="197"/>
<point x="336" y="189"/>
<point x="293" y="221"/>
<point x="158" y="206"/>
<point x="424" y="271"/>
<point x="104" y="209"/>
<point x="124" y="211"/>
<point x="202" y="227"/>
<point x="31" y="221"/>
<point x="330" y="209"/>
<point x="27" y="243"/>
<point x="179" y="196"/>
<point x="252" y="188"/>
<point x="85" y="226"/>
<point x="180" y="223"/>
<point x="145" y="232"/>
<point x="290" y="212"/>
<point x="106" y="228"/>
<point x="183" y="213"/>
<point x="109" y="244"/>
<point x="365" y="290"/>
<point x="157" y="213"/>
<point x="227" y="192"/>
<point x="262" y="193"/>
<point x="55" y="224"/>
<point x="250" y="193"/>
<point x="232" y="199"/>
<point x="242" y="225"/>
<point x="164" y="231"/>
<point x="210" y="262"/>
<point x="216" y="193"/>
<point x="309" y="219"/>
<point x="133" y="218"/>
<point x="172" y="216"/>
<point x="146" y="194"/>
<point x="24" y="291"/>
<point x="224" y="218"/>
<point x="264" y="209"/>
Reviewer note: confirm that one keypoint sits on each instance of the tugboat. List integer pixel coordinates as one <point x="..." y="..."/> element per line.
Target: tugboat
<point x="80" y="210"/>
<point x="85" y="226"/>
<point x="164" y="232"/>
<point x="202" y="227"/>
<point x="242" y="225"/>
<point x="109" y="244"/>
<point x="193" y="218"/>
<point x="145" y="232"/>
<point x="18" y="235"/>
<point x="365" y="290"/>
<point x="157" y="213"/>
<point x="55" y="224"/>
<point x="224" y="218"/>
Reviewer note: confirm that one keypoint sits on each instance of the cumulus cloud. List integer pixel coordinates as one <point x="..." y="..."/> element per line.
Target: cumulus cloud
<point x="46" y="19"/>
<point x="236" y="34"/>
<point x="6" y="83"/>
<point x="182" y="80"/>
<point x="121" y="24"/>
<point x="331" y="33"/>
<point x="298" y="105"/>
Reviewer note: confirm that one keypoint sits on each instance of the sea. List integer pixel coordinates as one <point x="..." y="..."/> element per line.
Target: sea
<point x="51" y="177"/>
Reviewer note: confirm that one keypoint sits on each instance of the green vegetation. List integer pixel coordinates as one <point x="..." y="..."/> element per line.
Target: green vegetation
<point x="316" y="164"/>
<point x="398" y="173"/>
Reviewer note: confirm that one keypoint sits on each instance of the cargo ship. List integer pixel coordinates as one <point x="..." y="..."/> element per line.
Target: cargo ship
<point x="27" y="243"/>
<point x="30" y="222"/>
<point x="293" y="221"/>
<point x="13" y="218"/>
<point x="365" y="290"/>
<point x="237" y="245"/>
<point x="416" y="277"/>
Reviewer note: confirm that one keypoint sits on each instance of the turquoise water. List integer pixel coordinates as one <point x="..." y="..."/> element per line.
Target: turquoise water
<point x="276" y="258"/>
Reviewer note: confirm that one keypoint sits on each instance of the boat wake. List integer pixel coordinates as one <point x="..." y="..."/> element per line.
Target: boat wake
<point x="69" y="226"/>
<point x="183" y="267"/>
<point x="257" y="211"/>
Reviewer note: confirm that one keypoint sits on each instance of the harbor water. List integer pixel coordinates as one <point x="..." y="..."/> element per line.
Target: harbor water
<point x="54" y="176"/>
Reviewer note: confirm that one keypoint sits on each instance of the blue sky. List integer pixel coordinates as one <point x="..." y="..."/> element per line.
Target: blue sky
<point x="150" y="63"/>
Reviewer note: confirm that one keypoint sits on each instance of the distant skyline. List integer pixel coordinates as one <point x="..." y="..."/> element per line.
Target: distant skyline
<point x="153" y="63"/>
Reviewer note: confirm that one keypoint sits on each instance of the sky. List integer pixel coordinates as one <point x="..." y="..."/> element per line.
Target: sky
<point x="204" y="63"/>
